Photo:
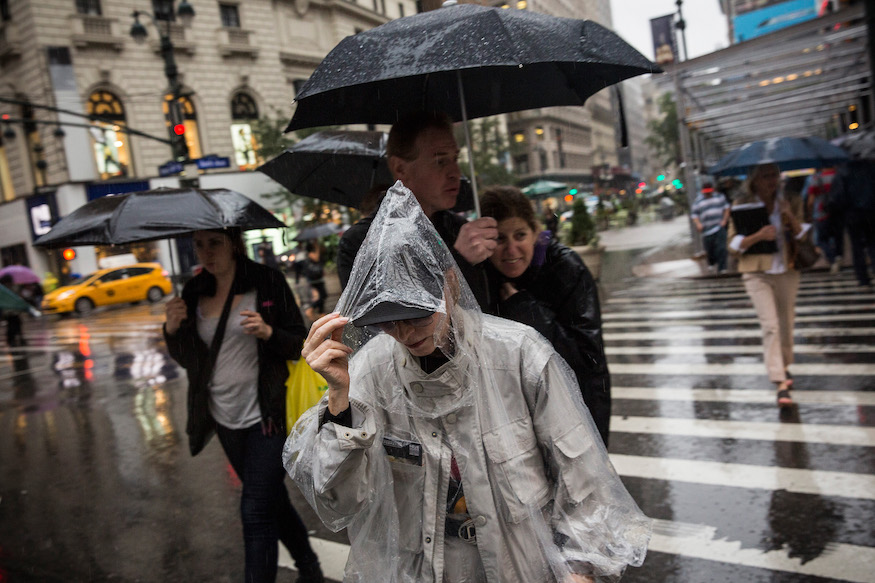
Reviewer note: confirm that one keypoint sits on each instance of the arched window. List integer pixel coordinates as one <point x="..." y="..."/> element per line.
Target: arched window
<point x="244" y="112"/>
<point x="189" y="120"/>
<point x="112" y="150"/>
<point x="7" y="191"/>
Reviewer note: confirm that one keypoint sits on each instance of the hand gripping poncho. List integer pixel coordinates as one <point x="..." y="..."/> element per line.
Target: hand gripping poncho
<point x="502" y="417"/>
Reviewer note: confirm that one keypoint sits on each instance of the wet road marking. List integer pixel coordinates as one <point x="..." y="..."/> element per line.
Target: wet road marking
<point x="760" y="430"/>
<point x="841" y="561"/>
<point x="752" y="321"/>
<point x="644" y="316"/>
<point x="738" y="297"/>
<point x="754" y="369"/>
<point x="752" y="333"/>
<point x="332" y="557"/>
<point x="838" y="398"/>
<point x="817" y="482"/>
<point x="703" y="349"/>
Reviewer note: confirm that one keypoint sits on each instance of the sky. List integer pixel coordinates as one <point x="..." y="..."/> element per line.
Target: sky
<point x="706" y="24"/>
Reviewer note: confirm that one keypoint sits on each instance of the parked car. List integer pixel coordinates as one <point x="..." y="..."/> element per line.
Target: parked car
<point x="115" y="285"/>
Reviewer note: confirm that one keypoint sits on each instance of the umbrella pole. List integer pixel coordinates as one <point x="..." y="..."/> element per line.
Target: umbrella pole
<point x="468" y="144"/>
<point x="172" y="267"/>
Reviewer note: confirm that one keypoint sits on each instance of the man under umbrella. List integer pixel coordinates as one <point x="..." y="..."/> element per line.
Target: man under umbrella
<point x="423" y="155"/>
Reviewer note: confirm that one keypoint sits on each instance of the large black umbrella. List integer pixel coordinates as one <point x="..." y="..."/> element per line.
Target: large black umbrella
<point x="334" y="166"/>
<point x="787" y="153"/>
<point x="467" y="60"/>
<point x="161" y="213"/>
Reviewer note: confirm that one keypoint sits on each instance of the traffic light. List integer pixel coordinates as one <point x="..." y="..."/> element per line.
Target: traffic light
<point x="569" y="198"/>
<point x="69" y="254"/>
<point x="572" y="191"/>
<point x="677" y="183"/>
<point x="661" y="177"/>
<point x="177" y="130"/>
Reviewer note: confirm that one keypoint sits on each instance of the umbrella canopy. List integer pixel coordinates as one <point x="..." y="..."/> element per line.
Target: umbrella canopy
<point x="859" y="145"/>
<point x="787" y="153"/>
<point x="20" y="274"/>
<point x="323" y="230"/>
<point x="9" y="300"/>
<point x="156" y="214"/>
<point x="542" y="187"/>
<point x="334" y="166"/>
<point x="501" y="60"/>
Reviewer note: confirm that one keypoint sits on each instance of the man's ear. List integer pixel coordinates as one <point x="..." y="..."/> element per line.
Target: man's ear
<point x="398" y="167"/>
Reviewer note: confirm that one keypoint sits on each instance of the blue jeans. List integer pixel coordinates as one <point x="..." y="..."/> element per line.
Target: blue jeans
<point x="265" y="509"/>
<point x="715" y="247"/>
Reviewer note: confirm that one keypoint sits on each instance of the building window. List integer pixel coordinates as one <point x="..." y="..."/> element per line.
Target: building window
<point x="298" y="84"/>
<point x="91" y="7"/>
<point x="5" y="14"/>
<point x="112" y="151"/>
<point x="539" y="132"/>
<point x="519" y="137"/>
<point x="7" y="192"/>
<point x="400" y="10"/>
<point x="521" y="163"/>
<point x="230" y="15"/>
<point x="189" y="120"/>
<point x="243" y="111"/>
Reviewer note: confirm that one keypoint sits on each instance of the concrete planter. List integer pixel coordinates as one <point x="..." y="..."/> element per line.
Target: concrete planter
<point x="592" y="257"/>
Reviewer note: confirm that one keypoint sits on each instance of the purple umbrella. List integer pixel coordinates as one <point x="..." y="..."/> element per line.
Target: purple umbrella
<point x="20" y="274"/>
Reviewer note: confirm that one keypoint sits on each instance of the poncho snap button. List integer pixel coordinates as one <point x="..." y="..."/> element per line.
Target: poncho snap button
<point x="417" y="388"/>
<point x="428" y="539"/>
<point x="451" y="418"/>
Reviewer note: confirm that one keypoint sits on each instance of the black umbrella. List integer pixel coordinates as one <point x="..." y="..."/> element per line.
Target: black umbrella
<point x="334" y="166"/>
<point x="161" y="213"/>
<point x="467" y="60"/>
<point x="318" y="231"/>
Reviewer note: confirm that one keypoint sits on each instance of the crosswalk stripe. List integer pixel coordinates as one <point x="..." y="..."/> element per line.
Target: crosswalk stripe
<point x="644" y="315"/>
<point x="841" y="561"/>
<point x="817" y="482"/>
<point x="739" y="368"/>
<point x="757" y="430"/>
<point x="752" y="333"/>
<point x="752" y="321"/>
<point x="332" y="557"/>
<point x="672" y="299"/>
<point x="839" y="398"/>
<point x="700" y="349"/>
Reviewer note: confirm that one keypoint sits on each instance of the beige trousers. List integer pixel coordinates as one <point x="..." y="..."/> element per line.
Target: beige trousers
<point x="774" y="298"/>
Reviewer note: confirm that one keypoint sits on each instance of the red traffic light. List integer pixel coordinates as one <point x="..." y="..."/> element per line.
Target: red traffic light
<point x="179" y="129"/>
<point x="68" y="254"/>
<point x="569" y="198"/>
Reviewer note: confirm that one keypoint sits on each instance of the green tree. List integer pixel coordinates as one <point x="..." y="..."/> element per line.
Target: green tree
<point x="664" y="138"/>
<point x="582" y="225"/>
<point x="269" y="136"/>
<point x="491" y="149"/>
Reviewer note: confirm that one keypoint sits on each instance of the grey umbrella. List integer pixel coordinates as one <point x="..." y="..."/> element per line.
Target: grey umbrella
<point x="788" y="153"/>
<point x="467" y="60"/>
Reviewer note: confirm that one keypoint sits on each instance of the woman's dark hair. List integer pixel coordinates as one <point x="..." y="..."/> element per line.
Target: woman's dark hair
<point x="507" y="202"/>
<point x="402" y="136"/>
<point x="235" y="236"/>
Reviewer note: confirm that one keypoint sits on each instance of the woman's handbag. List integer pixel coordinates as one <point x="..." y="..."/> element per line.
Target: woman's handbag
<point x="304" y="388"/>
<point x="805" y="253"/>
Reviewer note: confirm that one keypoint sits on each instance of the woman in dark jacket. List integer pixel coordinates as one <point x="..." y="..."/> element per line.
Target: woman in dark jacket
<point x="540" y="282"/>
<point x="233" y="330"/>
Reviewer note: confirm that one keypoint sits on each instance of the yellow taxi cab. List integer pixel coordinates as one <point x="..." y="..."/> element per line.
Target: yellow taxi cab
<point x="114" y="285"/>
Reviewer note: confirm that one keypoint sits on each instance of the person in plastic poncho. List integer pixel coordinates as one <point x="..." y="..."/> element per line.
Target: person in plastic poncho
<point x="453" y="445"/>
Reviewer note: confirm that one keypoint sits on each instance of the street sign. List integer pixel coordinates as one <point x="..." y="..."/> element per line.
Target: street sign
<point x="213" y="162"/>
<point x="169" y="168"/>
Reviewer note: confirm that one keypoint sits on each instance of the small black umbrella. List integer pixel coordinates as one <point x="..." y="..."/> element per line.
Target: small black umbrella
<point x="334" y="166"/>
<point x="318" y="231"/>
<point x="467" y="60"/>
<point x="161" y="213"/>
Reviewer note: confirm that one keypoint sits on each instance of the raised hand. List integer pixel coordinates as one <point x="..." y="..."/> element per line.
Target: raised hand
<point x="477" y="240"/>
<point x="327" y="355"/>
<point x="174" y="312"/>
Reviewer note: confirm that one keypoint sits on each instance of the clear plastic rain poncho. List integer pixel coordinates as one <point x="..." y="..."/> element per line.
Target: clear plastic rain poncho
<point x="488" y="468"/>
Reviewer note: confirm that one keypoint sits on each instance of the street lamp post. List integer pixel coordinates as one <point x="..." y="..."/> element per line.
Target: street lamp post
<point x="185" y="12"/>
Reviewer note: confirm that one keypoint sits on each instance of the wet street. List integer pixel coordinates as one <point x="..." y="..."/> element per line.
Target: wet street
<point x="96" y="483"/>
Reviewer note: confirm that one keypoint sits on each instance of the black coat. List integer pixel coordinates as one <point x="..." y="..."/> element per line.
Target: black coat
<point x="446" y="223"/>
<point x="276" y="304"/>
<point x="559" y="299"/>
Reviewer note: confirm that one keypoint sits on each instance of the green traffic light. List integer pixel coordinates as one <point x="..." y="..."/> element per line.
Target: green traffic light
<point x="661" y="177"/>
<point x="572" y="191"/>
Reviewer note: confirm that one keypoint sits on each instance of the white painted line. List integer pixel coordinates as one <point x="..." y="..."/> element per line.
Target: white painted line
<point x="680" y="298"/>
<point x="703" y="349"/>
<point x="752" y="321"/>
<point x="673" y="314"/>
<point x="332" y="557"/>
<point x="841" y="561"/>
<point x="693" y="332"/>
<point x="843" y="484"/>
<point x="757" y="430"/>
<point x="839" y="398"/>
<point x="740" y="369"/>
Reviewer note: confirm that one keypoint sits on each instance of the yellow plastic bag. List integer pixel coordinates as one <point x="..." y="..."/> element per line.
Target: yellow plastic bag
<point x="304" y="388"/>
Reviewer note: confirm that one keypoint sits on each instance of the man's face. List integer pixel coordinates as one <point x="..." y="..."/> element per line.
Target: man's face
<point x="434" y="174"/>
